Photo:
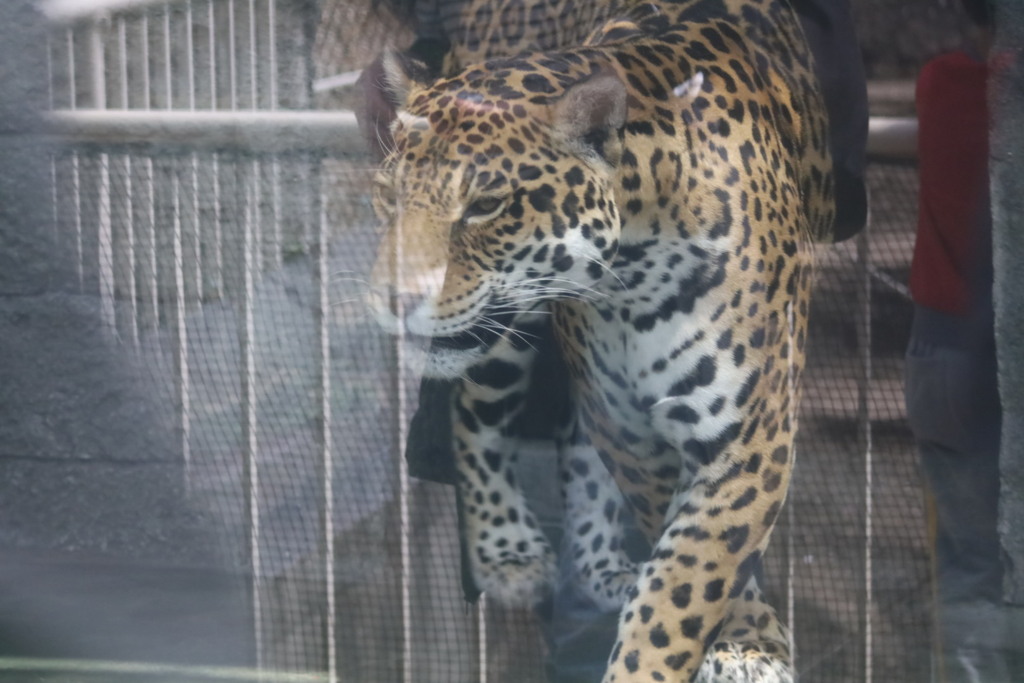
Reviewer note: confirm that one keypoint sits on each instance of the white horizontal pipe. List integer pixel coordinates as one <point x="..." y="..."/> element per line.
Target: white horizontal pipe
<point x="899" y="91"/>
<point x="892" y="137"/>
<point x="70" y="11"/>
<point x="333" y="132"/>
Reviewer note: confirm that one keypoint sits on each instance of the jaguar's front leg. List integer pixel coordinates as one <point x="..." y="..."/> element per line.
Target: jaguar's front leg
<point x="699" y="572"/>
<point x="595" y="525"/>
<point x="754" y="644"/>
<point x="510" y="557"/>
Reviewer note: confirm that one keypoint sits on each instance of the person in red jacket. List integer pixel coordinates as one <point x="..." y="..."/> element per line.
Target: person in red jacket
<point x="951" y="390"/>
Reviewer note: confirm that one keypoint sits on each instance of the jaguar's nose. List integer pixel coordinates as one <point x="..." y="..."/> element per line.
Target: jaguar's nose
<point x="404" y="313"/>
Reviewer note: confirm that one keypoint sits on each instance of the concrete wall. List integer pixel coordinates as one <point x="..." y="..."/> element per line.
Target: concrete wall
<point x="100" y="553"/>
<point x="1007" y="172"/>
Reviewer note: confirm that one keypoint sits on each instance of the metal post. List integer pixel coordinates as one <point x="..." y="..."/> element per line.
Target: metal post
<point x="272" y="66"/>
<point x="104" y="229"/>
<point x="76" y="181"/>
<point x="481" y="639"/>
<point x="130" y="320"/>
<point x="181" y="362"/>
<point x="130" y="302"/>
<point x="151" y="298"/>
<point x="275" y="165"/>
<point x="250" y="461"/>
<point x="178" y="325"/>
<point x="195" y="234"/>
<point x="865" y="433"/>
<point x="321" y="311"/>
<point x="254" y="80"/>
<point x="257" y="171"/>
<point x="232" y="61"/>
<point x="405" y="528"/>
<point x="122" y="53"/>
<point x="215" y="240"/>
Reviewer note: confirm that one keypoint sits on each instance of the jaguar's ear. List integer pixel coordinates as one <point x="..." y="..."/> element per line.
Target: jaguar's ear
<point x="402" y="74"/>
<point x="590" y="116"/>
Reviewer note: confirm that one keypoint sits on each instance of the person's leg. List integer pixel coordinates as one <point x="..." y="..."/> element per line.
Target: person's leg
<point x="579" y="633"/>
<point x="953" y="409"/>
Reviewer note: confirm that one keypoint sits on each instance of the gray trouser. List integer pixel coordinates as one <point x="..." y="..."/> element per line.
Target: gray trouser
<point x="954" y="411"/>
<point x="579" y="633"/>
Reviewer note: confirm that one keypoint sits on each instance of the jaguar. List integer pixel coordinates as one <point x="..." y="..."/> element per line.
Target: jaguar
<point x="654" y="195"/>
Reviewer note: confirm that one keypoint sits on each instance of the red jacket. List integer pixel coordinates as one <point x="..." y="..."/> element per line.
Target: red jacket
<point x="953" y="199"/>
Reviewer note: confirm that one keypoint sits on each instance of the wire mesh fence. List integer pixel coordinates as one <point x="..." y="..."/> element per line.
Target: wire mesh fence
<point x="233" y="279"/>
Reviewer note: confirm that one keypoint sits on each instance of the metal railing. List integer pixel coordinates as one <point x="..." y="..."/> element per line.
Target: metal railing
<point x="182" y="185"/>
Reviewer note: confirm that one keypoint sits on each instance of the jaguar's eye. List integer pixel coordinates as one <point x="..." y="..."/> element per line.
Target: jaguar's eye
<point x="484" y="208"/>
<point x="384" y="200"/>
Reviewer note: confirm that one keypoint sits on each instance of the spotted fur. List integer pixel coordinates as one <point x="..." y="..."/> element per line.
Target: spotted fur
<point x="653" y="194"/>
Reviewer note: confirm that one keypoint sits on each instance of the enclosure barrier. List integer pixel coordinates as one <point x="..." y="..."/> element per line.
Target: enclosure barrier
<point x="225" y="229"/>
<point x="330" y="133"/>
<point x="254" y="132"/>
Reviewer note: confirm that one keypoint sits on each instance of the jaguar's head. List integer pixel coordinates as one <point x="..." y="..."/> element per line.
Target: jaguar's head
<point x="496" y="198"/>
